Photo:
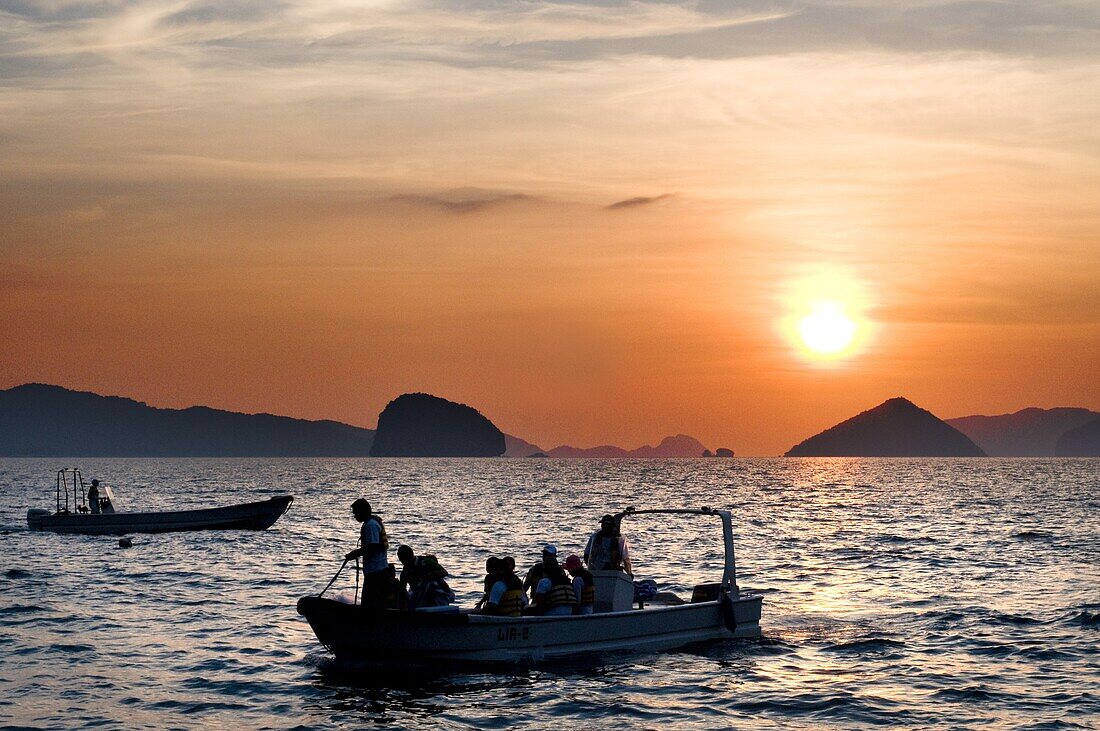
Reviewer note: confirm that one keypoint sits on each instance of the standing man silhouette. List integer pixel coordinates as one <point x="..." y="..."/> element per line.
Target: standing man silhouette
<point x="93" y="497"/>
<point x="373" y="545"/>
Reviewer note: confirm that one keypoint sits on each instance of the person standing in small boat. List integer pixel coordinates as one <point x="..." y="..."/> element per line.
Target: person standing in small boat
<point x="93" y="497"/>
<point x="584" y="586"/>
<point x="554" y="595"/>
<point x="607" y="549"/>
<point x="373" y="545"/>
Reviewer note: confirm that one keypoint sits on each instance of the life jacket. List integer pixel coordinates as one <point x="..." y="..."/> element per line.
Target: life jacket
<point x="383" y="541"/>
<point x="560" y="592"/>
<point x="511" y="602"/>
<point x="588" y="592"/>
<point x="606" y="553"/>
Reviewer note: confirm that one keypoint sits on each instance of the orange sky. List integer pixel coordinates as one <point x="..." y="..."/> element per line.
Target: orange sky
<point x="308" y="209"/>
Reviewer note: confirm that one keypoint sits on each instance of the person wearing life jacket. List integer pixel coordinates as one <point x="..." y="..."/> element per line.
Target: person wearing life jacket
<point x="373" y="545"/>
<point x="584" y="586"/>
<point x="607" y="550"/>
<point x="554" y="595"/>
<point x="505" y="598"/>
<point x="431" y="589"/>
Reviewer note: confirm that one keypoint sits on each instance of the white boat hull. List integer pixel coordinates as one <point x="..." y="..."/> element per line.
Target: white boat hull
<point x="418" y="638"/>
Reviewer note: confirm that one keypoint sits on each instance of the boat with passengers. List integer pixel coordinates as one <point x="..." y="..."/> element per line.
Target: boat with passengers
<point x="390" y="637"/>
<point x="91" y="510"/>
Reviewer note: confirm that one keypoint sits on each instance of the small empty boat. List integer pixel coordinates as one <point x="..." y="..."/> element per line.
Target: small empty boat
<point x="390" y="637"/>
<point x="95" y="513"/>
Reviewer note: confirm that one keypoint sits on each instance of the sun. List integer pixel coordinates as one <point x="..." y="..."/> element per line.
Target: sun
<point x="827" y="330"/>
<point x="825" y="318"/>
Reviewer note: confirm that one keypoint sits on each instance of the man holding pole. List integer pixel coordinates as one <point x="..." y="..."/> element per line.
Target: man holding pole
<point x="373" y="545"/>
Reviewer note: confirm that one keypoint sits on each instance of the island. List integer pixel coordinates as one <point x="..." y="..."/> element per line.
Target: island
<point x="422" y="425"/>
<point x="895" y="428"/>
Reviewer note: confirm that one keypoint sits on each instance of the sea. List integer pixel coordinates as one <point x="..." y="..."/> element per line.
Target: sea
<point x="900" y="593"/>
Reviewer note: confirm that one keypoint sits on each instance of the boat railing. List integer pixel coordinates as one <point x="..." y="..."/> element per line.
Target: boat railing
<point x="79" y="502"/>
<point x="729" y="573"/>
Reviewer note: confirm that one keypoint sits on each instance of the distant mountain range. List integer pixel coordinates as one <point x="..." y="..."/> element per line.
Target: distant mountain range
<point x="516" y="447"/>
<point x="895" y="428"/>
<point x="1084" y="441"/>
<point x="1026" y="433"/>
<point x="38" y="420"/>
<point x="680" y="445"/>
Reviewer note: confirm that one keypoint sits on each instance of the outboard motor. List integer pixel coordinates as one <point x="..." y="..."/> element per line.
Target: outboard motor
<point x="34" y="518"/>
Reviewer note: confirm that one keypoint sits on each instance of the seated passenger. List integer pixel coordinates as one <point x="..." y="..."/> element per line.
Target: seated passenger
<point x="607" y="549"/>
<point x="408" y="567"/>
<point x="393" y="596"/>
<point x="531" y="580"/>
<point x="431" y="589"/>
<point x="554" y="594"/>
<point x="505" y="597"/>
<point x="584" y="586"/>
<point x="492" y="570"/>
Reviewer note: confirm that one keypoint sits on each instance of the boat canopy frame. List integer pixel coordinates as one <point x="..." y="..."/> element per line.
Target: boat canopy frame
<point x="729" y="572"/>
<point x="80" y="500"/>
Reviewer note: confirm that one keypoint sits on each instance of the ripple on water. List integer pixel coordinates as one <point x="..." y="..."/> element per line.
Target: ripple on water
<point x="970" y="693"/>
<point x="1033" y="535"/>
<point x="1086" y="619"/>
<point x="868" y="646"/>
<point x="70" y="648"/>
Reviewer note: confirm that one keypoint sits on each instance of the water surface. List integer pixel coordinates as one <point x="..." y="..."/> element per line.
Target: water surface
<point x="903" y="593"/>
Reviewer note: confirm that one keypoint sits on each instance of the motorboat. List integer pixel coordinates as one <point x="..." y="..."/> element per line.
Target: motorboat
<point x="391" y="637"/>
<point x="95" y="513"/>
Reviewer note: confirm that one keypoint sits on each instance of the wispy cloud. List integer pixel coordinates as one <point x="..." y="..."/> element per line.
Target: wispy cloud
<point x="461" y="200"/>
<point x="638" y="201"/>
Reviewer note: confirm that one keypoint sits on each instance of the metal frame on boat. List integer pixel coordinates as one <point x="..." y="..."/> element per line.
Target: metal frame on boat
<point x="77" y="517"/>
<point x="391" y="637"/>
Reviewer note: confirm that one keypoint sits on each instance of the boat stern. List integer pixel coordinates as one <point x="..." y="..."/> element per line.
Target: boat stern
<point x="35" y="516"/>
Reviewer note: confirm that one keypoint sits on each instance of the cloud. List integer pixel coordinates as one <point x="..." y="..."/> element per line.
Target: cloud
<point x="638" y="201"/>
<point x="463" y="200"/>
